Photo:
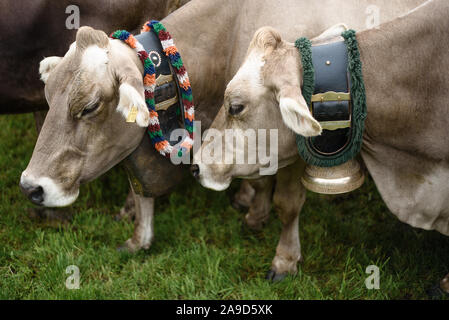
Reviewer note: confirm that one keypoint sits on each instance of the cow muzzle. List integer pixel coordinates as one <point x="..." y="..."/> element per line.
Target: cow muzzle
<point x="44" y="191"/>
<point x="208" y="178"/>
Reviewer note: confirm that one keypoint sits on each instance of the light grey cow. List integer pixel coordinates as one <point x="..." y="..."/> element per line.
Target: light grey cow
<point x="406" y="146"/>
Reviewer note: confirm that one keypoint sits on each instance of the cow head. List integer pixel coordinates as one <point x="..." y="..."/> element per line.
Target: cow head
<point x="90" y="92"/>
<point x="264" y="94"/>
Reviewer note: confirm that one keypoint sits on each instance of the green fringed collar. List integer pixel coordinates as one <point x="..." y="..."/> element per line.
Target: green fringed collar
<point x="358" y="101"/>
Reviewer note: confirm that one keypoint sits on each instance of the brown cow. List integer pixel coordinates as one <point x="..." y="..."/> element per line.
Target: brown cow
<point x="406" y="138"/>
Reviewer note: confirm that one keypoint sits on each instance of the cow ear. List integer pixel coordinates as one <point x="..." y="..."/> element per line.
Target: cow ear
<point x="267" y="39"/>
<point x="294" y="110"/>
<point x="131" y="89"/>
<point x="132" y="105"/>
<point x="296" y="114"/>
<point x="47" y="65"/>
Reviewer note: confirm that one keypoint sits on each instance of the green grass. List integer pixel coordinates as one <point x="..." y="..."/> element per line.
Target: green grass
<point x="202" y="249"/>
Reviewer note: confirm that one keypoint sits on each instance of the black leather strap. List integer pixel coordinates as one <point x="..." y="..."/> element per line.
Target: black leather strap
<point x="330" y="63"/>
<point x="333" y="76"/>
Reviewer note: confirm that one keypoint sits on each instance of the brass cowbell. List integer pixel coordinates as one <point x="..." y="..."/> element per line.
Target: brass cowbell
<point x="334" y="180"/>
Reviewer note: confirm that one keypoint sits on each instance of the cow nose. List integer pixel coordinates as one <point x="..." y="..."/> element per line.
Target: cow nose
<point x="195" y="170"/>
<point x="35" y="194"/>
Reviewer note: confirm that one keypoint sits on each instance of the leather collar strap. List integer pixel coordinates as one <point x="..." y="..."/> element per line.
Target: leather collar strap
<point x="333" y="88"/>
<point x="167" y="91"/>
<point x="330" y="62"/>
<point x="167" y="86"/>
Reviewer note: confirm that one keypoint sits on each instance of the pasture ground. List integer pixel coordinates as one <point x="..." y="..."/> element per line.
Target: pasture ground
<point x="202" y="249"/>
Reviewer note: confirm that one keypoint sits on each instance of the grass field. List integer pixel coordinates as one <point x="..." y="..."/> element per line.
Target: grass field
<point x="202" y="249"/>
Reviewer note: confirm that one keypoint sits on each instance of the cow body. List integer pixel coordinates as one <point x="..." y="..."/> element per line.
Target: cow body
<point x="406" y="138"/>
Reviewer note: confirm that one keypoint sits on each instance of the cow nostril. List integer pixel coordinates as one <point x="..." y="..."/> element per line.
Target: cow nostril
<point x="37" y="195"/>
<point x="195" y="170"/>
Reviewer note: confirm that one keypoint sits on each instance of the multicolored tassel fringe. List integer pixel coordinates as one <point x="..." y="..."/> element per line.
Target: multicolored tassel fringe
<point x="149" y="81"/>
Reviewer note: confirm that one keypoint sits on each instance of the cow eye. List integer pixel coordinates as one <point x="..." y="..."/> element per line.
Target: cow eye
<point x="90" y="109"/>
<point x="236" y="109"/>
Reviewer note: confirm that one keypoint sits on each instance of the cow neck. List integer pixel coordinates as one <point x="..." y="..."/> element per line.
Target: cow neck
<point x="205" y="50"/>
<point x="150" y="83"/>
<point x="200" y="30"/>
<point x="401" y="64"/>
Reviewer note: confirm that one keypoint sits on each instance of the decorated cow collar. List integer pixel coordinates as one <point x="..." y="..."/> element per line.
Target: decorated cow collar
<point x="167" y="87"/>
<point x="333" y="88"/>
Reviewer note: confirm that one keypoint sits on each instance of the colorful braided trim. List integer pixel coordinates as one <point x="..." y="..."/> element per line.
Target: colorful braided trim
<point x="149" y="81"/>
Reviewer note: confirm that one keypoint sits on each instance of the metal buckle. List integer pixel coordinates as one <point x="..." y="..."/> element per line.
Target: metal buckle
<point x="332" y="96"/>
<point x="163" y="79"/>
<point x="164" y="105"/>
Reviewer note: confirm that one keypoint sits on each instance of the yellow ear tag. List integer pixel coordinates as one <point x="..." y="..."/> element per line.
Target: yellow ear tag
<point x="132" y="115"/>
